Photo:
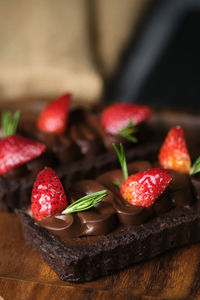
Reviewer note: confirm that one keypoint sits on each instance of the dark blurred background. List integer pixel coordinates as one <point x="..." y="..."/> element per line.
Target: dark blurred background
<point x="144" y="51"/>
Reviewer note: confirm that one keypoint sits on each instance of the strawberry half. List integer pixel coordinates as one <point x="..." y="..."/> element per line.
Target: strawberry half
<point x="16" y="150"/>
<point x="174" y="153"/>
<point x="48" y="196"/>
<point x="116" y="117"/>
<point x="143" y="188"/>
<point x="53" y="118"/>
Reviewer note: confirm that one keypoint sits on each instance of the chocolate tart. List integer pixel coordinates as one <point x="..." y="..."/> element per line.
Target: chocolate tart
<point x="84" y="136"/>
<point x="79" y="247"/>
<point x="83" y="151"/>
<point x="16" y="186"/>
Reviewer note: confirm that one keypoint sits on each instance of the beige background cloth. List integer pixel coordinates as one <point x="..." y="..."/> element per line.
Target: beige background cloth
<point x="48" y="47"/>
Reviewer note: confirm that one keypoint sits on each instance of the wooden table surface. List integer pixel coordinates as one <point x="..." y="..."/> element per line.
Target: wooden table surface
<point x="23" y="275"/>
<point x="174" y="275"/>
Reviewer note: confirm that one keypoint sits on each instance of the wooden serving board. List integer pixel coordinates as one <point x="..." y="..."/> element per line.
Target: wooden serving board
<point x="174" y="275"/>
<point x="23" y="275"/>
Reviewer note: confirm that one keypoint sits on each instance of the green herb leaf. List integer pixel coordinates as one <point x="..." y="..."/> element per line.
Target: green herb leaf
<point x="10" y="122"/>
<point x="196" y="167"/>
<point x="122" y="160"/>
<point x="86" y="202"/>
<point x="127" y="132"/>
<point x="117" y="184"/>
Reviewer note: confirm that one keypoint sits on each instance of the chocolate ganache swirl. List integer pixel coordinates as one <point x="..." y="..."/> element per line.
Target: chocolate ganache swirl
<point x="113" y="211"/>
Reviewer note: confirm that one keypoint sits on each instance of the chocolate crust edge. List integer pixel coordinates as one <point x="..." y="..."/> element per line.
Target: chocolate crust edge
<point x="115" y="252"/>
<point x="16" y="193"/>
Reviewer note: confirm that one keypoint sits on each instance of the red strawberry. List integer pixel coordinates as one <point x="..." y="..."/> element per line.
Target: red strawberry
<point x="16" y="150"/>
<point x="48" y="196"/>
<point x="53" y="118"/>
<point x="174" y="153"/>
<point x="117" y="116"/>
<point x="143" y="188"/>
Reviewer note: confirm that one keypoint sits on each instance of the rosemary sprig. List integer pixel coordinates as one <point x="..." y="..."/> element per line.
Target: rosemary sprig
<point x="117" y="184"/>
<point x="122" y="159"/>
<point x="127" y="132"/>
<point x="196" y="167"/>
<point x="86" y="202"/>
<point x="10" y="122"/>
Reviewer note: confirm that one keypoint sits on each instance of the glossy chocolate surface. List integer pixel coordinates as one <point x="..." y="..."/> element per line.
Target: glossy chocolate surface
<point x="113" y="213"/>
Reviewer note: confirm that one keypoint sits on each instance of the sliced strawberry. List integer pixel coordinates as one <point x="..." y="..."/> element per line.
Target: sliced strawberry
<point x="116" y="117"/>
<point x="48" y="196"/>
<point x="53" y="118"/>
<point x="143" y="188"/>
<point x="16" y="150"/>
<point x="174" y="153"/>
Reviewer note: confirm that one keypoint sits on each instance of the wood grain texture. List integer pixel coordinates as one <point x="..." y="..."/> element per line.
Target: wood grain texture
<point x="23" y="275"/>
<point x="175" y="275"/>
